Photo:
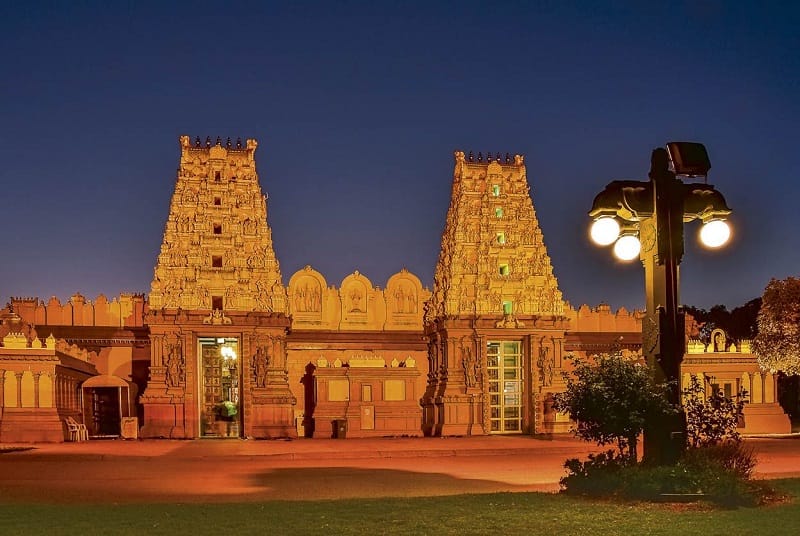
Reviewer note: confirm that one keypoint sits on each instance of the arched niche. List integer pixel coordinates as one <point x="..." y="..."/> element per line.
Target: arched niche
<point x="10" y="390"/>
<point x="307" y="294"/>
<point x="718" y="342"/>
<point x="360" y="309"/>
<point x="403" y="293"/>
<point x="28" y="390"/>
<point x="404" y="297"/>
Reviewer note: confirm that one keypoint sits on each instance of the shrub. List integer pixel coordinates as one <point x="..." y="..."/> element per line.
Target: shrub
<point x="610" y="398"/>
<point x="711" y="419"/>
<point x="732" y="457"/>
<point x="595" y="477"/>
<point x="724" y="473"/>
<point x="718" y="474"/>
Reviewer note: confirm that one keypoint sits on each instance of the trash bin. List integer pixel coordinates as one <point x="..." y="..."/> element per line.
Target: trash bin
<point x="339" y="428"/>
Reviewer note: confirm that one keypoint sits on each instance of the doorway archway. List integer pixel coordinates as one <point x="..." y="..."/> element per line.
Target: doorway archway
<point x="220" y="380"/>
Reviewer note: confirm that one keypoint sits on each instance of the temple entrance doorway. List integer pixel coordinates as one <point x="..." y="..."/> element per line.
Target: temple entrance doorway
<point x="107" y="400"/>
<point x="105" y="412"/>
<point x="220" y="402"/>
<point x="506" y="382"/>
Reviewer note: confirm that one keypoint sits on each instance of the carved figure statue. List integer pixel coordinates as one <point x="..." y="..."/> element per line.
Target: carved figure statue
<point x="411" y="302"/>
<point x="355" y="301"/>
<point x="719" y="341"/>
<point x="174" y="365"/>
<point x="308" y="298"/>
<point x="470" y="367"/>
<point x="546" y="363"/>
<point x="263" y="296"/>
<point x="260" y="365"/>
<point x="400" y="299"/>
<point x="231" y="297"/>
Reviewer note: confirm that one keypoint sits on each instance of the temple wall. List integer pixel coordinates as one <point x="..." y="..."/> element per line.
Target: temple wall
<point x="374" y="397"/>
<point x="336" y="328"/>
<point x="127" y="310"/>
<point x="602" y="319"/>
<point x="117" y="361"/>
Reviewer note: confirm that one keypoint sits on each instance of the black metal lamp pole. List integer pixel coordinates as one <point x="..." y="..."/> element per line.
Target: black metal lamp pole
<point x="657" y="209"/>
<point x="663" y="328"/>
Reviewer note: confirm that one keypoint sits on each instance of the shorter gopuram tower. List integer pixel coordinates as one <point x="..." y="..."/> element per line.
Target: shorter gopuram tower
<point x="217" y="306"/>
<point x="495" y="323"/>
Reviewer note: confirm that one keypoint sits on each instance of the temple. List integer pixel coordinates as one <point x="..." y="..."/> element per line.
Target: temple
<point x="222" y="348"/>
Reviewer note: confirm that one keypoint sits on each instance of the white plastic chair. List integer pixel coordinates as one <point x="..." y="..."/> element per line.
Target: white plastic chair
<point x="77" y="431"/>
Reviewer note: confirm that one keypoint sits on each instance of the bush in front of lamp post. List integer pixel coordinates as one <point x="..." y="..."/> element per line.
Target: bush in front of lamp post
<point x="719" y="474"/>
<point x="611" y="397"/>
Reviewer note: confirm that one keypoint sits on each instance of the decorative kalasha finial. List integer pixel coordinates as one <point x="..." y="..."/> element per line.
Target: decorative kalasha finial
<point x="208" y="141"/>
<point x="197" y="141"/>
<point x="480" y="157"/>
<point x="219" y="141"/>
<point x="471" y="156"/>
<point x="488" y="157"/>
<point x="228" y="143"/>
<point x="497" y="157"/>
<point x="508" y="158"/>
<point x="238" y="143"/>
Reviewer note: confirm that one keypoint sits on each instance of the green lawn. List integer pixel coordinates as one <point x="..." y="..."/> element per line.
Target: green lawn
<point x="501" y="514"/>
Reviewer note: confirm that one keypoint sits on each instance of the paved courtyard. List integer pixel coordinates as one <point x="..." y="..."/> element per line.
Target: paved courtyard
<point x="117" y="471"/>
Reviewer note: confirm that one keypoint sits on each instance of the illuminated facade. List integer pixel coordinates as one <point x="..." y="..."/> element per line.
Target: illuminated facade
<point x="217" y="306"/>
<point x="496" y="323"/>
<point x="221" y="348"/>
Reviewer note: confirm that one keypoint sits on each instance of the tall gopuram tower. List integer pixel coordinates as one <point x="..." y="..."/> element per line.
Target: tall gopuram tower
<point x="495" y="323"/>
<point x="217" y="306"/>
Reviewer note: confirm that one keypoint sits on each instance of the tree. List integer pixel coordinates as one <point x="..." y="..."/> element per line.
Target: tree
<point x="739" y="324"/>
<point x="610" y="399"/>
<point x="777" y="344"/>
<point x="744" y="320"/>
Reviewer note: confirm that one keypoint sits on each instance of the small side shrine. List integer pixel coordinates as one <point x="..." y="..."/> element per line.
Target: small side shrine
<point x="723" y="365"/>
<point x="39" y="383"/>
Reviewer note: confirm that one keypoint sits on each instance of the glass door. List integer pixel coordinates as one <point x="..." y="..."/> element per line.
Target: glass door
<point x="220" y="407"/>
<point x="506" y="381"/>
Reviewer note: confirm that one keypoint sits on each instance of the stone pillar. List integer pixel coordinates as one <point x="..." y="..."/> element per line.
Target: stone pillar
<point x="457" y="402"/>
<point x="54" y="390"/>
<point x="36" y="388"/>
<point x="269" y="410"/>
<point x="164" y="397"/>
<point x="18" y="375"/>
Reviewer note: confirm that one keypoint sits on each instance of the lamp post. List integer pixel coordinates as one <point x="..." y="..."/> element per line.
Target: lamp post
<point x="645" y="219"/>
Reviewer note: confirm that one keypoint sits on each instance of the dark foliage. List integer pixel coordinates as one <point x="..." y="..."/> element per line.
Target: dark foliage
<point x="711" y="419"/>
<point x="719" y="474"/>
<point x="610" y="398"/>
<point x="717" y="468"/>
<point x="740" y="324"/>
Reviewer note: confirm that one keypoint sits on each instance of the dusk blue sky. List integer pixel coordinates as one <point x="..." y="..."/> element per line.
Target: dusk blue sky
<point x="358" y="107"/>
